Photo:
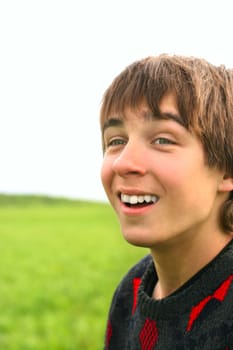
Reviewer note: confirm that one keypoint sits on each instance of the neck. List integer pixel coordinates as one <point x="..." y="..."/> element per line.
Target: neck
<point x="176" y="264"/>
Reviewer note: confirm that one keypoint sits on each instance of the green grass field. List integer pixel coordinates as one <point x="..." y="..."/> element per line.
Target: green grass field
<point x="60" y="261"/>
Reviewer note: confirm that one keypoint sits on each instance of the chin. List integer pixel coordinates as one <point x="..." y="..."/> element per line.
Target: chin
<point x="138" y="239"/>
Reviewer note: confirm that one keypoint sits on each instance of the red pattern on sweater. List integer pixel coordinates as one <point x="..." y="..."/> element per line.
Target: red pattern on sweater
<point x="136" y="284"/>
<point x="219" y="294"/>
<point x="108" y="334"/>
<point x="148" y="335"/>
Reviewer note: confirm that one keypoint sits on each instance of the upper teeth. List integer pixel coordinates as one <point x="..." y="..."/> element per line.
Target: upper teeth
<point x="134" y="199"/>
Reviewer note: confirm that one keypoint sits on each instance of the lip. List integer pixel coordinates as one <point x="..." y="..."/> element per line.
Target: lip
<point x="134" y="211"/>
<point x="134" y="191"/>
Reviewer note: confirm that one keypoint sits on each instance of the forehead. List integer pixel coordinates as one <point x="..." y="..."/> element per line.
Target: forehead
<point x="167" y="111"/>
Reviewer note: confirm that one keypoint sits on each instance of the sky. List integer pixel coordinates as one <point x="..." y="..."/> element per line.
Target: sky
<point x="57" y="57"/>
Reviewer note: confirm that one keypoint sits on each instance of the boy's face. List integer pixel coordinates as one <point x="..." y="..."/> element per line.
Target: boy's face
<point x="156" y="178"/>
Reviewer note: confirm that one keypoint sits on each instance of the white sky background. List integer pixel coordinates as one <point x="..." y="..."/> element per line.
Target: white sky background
<point x="56" y="60"/>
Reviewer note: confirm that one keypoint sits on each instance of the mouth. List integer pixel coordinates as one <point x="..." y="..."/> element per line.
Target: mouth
<point x="138" y="201"/>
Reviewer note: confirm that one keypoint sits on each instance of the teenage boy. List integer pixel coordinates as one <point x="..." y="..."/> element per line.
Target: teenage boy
<point x="167" y="127"/>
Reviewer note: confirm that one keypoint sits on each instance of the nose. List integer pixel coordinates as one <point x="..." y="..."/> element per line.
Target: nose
<point x="131" y="160"/>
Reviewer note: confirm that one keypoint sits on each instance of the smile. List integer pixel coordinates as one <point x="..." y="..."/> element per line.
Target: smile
<point x="134" y="199"/>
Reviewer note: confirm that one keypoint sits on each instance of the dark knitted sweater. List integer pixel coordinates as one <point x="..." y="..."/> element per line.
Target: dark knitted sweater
<point x="199" y="315"/>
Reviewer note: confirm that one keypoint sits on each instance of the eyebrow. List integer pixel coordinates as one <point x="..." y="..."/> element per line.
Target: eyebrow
<point x="111" y="123"/>
<point x="172" y="116"/>
<point x="148" y="116"/>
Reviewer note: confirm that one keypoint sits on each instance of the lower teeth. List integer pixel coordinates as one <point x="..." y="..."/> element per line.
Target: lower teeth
<point x="139" y="204"/>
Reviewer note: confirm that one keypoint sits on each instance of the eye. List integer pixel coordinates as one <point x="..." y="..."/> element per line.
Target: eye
<point x="163" y="141"/>
<point x="116" y="142"/>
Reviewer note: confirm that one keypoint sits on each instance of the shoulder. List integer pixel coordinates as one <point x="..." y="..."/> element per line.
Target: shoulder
<point x="125" y="294"/>
<point x="123" y="305"/>
<point x="135" y="273"/>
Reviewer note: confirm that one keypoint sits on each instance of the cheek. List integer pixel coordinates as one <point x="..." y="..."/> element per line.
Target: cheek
<point x="106" y="174"/>
<point x="172" y="174"/>
<point x="180" y="181"/>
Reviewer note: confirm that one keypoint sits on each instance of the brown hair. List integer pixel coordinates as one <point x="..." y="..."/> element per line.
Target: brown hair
<point x="204" y="95"/>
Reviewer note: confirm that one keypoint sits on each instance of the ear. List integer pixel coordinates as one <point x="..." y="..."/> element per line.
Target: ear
<point x="226" y="184"/>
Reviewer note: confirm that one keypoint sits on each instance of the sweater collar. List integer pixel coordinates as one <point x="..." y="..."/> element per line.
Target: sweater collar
<point x="202" y="284"/>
